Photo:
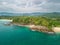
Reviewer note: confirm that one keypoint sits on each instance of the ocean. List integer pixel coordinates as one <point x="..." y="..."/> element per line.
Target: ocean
<point x="18" y="35"/>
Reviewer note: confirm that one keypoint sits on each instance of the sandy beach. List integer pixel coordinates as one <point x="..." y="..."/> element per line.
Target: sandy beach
<point x="56" y="29"/>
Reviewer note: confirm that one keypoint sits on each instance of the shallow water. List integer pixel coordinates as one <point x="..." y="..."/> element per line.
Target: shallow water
<point x="17" y="35"/>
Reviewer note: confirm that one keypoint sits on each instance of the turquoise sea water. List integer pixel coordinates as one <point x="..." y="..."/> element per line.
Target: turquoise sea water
<point x="17" y="35"/>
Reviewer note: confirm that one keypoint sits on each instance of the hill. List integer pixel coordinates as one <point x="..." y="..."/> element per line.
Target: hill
<point x="20" y="14"/>
<point x="52" y="15"/>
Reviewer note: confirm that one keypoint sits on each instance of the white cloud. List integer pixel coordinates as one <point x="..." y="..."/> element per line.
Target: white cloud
<point x="29" y="5"/>
<point x="4" y="3"/>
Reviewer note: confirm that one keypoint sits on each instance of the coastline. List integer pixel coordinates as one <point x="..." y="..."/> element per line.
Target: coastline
<point x="37" y="28"/>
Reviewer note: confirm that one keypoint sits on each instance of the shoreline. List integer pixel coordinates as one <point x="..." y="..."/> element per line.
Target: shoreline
<point x="37" y="28"/>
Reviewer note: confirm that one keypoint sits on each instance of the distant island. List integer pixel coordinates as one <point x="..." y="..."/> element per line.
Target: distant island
<point x="42" y="23"/>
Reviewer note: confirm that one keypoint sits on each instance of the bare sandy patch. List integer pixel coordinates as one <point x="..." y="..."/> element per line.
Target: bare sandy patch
<point x="56" y="29"/>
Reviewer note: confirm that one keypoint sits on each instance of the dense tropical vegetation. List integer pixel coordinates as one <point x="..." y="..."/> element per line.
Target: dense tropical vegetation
<point x="49" y="20"/>
<point x="34" y="20"/>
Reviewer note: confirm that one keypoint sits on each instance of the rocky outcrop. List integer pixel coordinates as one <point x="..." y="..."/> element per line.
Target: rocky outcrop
<point x="41" y="29"/>
<point x="38" y="28"/>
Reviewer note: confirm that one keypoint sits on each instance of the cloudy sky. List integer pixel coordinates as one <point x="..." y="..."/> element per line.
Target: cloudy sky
<point x="30" y="5"/>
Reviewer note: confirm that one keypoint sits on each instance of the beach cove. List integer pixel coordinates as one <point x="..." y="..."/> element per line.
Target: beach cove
<point x="21" y="35"/>
<point x="18" y="35"/>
